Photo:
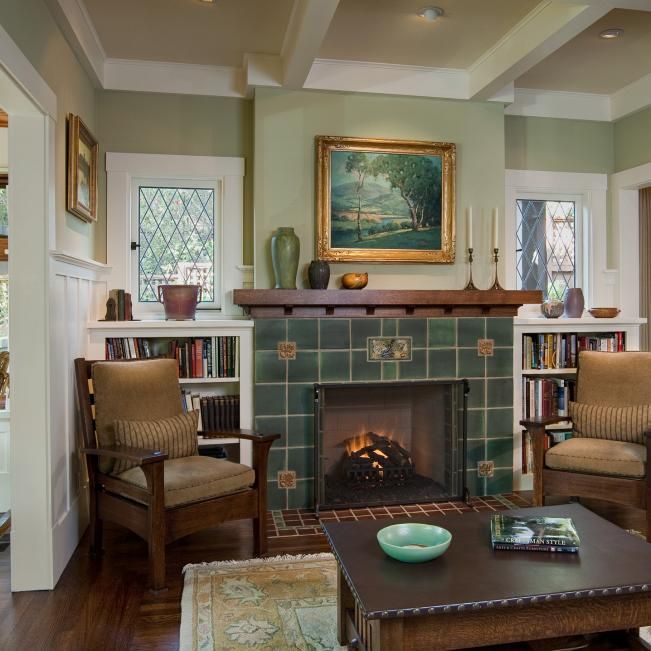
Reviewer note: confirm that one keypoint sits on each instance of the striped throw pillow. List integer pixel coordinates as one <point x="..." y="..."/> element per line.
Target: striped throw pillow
<point x="626" y="424"/>
<point x="176" y="435"/>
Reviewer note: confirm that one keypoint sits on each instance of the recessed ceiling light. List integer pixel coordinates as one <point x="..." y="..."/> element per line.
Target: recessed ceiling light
<point x="430" y="13"/>
<point x="613" y="32"/>
<point x="207" y="2"/>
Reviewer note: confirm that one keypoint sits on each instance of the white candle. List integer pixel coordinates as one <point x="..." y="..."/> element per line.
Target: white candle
<point x="469" y="227"/>
<point x="495" y="229"/>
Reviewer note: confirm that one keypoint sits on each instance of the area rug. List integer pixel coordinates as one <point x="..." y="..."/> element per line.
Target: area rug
<point x="279" y="603"/>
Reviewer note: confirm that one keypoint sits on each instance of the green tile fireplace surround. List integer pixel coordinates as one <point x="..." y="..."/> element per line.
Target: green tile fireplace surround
<point x="291" y="354"/>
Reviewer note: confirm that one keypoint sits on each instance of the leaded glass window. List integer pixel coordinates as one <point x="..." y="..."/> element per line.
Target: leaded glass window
<point x="546" y="246"/>
<point x="176" y="237"/>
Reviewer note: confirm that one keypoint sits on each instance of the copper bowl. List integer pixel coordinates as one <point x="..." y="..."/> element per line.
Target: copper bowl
<point x="354" y="281"/>
<point x="604" y="312"/>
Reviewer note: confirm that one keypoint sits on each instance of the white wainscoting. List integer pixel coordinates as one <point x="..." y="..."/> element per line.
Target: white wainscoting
<point x="78" y="295"/>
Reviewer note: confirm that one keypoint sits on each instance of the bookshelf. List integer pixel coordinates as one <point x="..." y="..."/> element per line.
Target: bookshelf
<point x="536" y="370"/>
<point x="237" y="374"/>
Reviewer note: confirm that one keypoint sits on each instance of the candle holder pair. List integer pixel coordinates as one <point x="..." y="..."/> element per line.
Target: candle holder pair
<point x="496" y="285"/>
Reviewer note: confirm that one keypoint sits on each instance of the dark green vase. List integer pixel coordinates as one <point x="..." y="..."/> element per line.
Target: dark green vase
<point x="285" y="250"/>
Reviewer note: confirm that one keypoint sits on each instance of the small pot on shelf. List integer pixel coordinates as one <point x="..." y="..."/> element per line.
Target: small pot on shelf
<point x="180" y="301"/>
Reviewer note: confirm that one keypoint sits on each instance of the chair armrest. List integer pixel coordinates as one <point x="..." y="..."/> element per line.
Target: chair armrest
<point x="140" y="456"/>
<point x="538" y="422"/>
<point x="247" y="434"/>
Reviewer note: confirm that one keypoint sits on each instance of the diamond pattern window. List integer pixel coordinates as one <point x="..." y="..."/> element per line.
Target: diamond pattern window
<point x="176" y="237"/>
<point x="546" y="251"/>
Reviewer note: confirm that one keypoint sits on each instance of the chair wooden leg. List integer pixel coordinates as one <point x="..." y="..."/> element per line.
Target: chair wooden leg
<point x="96" y="527"/>
<point x="648" y="523"/>
<point x="156" y="526"/>
<point x="260" y="542"/>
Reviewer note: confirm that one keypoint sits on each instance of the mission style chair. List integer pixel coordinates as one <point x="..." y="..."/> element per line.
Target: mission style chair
<point x="609" y="453"/>
<point x="143" y="488"/>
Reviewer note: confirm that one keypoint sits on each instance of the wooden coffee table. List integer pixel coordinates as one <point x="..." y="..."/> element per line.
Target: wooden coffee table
<point x="474" y="596"/>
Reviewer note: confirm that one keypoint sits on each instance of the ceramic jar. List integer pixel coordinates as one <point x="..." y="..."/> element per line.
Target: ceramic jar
<point x="285" y="250"/>
<point x="179" y="301"/>
<point x="552" y="308"/>
<point x="318" y="274"/>
<point x="574" y="303"/>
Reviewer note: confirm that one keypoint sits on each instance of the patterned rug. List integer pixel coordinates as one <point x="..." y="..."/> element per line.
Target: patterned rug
<point x="280" y="603"/>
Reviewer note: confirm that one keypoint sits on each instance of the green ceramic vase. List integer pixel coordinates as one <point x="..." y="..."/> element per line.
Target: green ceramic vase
<point x="285" y="250"/>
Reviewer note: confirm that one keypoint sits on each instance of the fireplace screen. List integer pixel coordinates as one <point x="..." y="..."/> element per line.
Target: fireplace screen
<point x="389" y="443"/>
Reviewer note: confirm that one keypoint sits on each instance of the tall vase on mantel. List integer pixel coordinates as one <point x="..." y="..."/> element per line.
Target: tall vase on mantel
<point x="574" y="302"/>
<point x="285" y="250"/>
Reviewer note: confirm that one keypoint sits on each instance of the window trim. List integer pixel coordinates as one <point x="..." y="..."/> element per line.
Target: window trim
<point x="591" y="188"/>
<point x="123" y="170"/>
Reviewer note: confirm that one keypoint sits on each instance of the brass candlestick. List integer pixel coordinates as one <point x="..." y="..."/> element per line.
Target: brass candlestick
<point x="496" y="284"/>
<point x="470" y="284"/>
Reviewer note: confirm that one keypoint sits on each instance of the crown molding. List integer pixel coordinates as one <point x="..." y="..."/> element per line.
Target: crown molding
<point x="560" y="104"/>
<point x="632" y="98"/>
<point x="391" y="79"/>
<point x="182" y="78"/>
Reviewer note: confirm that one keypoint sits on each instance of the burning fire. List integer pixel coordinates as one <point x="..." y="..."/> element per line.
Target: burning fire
<point x="364" y="440"/>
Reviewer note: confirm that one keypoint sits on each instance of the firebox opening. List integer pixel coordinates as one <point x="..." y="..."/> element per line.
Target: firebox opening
<point x="389" y="443"/>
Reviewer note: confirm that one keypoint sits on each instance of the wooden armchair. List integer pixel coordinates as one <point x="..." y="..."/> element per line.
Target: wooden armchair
<point x="609" y="454"/>
<point x="160" y="499"/>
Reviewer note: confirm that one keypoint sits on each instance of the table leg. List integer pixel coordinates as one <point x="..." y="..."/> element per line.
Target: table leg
<point x="345" y="602"/>
<point x="387" y="634"/>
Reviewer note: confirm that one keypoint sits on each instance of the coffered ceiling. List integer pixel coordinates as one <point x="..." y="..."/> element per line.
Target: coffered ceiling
<point x="538" y="57"/>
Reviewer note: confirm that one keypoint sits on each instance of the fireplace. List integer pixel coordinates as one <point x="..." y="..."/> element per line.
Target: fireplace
<point x="383" y="443"/>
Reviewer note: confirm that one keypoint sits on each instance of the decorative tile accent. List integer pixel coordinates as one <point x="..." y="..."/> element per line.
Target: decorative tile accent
<point x="485" y="468"/>
<point x="485" y="347"/>
<point x="286" y="350"/>
<point x="286" y="479"/>
<point x="381" y="349"/>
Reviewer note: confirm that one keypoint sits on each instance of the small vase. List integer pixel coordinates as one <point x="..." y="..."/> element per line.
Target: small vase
<point x="552" y="308"/>
<point x="318" y="273"/>
<point x="285" y="250"/>
<point x="574" y="303"/>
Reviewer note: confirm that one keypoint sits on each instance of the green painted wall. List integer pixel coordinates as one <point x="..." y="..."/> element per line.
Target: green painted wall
<point x="633" y="140"/>
<point x="31" y="26"/>
<point x="285" y="124"/>
<point x="150" y="123"/>
<point x="551" y="144"/>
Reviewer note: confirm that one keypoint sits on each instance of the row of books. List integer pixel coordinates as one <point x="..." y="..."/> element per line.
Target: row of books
<point x="551" y="438"/>
<point x="547" y="396"/>
<point x="216" y="413"/>
<point x="198" y="357"/>
<point x="534" y="533"/>
<point x="560" y="349"/>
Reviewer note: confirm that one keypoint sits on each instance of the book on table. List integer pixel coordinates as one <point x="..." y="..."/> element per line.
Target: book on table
<point x="533" y="533"/>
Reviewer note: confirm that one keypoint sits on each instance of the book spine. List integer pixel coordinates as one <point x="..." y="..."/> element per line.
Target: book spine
<point x="120" y="305"/>
<point x="535" y="548"/>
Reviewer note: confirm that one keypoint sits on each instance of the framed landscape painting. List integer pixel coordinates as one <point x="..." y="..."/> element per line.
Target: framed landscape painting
<point x="385" y="200"/>
<point x="82" y="170"/>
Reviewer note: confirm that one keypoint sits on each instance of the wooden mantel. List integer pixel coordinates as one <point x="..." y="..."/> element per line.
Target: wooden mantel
<point x="275" y="303"/>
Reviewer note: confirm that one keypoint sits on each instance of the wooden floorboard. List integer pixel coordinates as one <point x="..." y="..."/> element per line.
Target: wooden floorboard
<point x="104" y="605"/>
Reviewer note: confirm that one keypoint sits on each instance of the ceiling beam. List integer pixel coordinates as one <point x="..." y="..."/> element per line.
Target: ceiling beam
<point x="308" y="25"/>
<point x="549" y="26"/>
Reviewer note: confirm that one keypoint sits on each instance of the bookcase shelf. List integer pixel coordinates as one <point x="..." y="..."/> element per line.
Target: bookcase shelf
<point x="533" y="326"/>
<point x="164" y="331"/>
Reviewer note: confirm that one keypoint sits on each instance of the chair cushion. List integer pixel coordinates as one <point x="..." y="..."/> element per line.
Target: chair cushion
<point x="138" y="390"/>
<point x="615" y="423"/>
<point x="194" y="479"/>
<point x="176" y="435"/>
<point x="598" y="457"/>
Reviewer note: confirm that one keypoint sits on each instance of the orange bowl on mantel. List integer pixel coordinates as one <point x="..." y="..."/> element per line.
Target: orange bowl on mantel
<point x="354" y="281"/>
<point x="604" y="312"/>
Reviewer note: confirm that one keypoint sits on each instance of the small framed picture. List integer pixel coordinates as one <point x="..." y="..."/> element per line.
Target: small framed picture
<point x="82" y="170"/>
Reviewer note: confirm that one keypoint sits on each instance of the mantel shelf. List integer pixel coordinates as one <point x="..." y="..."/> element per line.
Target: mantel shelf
<point x="275" y="303"/>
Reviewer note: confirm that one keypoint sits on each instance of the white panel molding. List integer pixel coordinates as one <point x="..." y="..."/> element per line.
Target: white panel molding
<point x="363" y="77"/>
<point x="78" y="266"/>
<point x="72" y="18"/>
<point x="262" y="70"/>
<point x="5" y="468"/>
<point x="122" y="168"/>
<point x="182" y="78"/>
<point x="560" y="104"/>
<point x="307" y="27"/>
<point x="542" y="31"/>
<point x="632" y="98"/>
<point x="591" y="190"/>
<point x="625" y="200"/>
<point x="38" y="96"/>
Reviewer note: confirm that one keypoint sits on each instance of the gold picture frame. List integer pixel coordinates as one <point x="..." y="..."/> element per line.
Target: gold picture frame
<point x="385" y="200"/>
<point x="81" y="194"/>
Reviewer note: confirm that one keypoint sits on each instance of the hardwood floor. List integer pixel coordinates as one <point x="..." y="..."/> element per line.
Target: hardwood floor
<point x="103" y="604"/>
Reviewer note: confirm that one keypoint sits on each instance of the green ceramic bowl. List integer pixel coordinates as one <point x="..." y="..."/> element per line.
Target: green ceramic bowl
<point x="414" y="542"/>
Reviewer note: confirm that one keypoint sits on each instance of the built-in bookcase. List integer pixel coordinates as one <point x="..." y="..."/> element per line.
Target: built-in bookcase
<point x="544" y="372"/>
<point x="215" y="358"/>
